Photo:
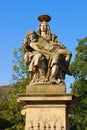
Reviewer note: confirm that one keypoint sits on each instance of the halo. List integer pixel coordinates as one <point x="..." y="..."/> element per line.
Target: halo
<point x="46" y="18"/>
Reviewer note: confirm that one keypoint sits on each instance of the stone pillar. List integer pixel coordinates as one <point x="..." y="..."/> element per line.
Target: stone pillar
<point x="45" y="110"/>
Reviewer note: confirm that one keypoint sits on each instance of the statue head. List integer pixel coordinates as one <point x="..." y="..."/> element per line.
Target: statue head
<point x="32" y="36"/>
<point x="44" y="28"/>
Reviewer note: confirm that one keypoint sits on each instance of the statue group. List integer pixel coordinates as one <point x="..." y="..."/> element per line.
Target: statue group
<point x="47" y="58"/>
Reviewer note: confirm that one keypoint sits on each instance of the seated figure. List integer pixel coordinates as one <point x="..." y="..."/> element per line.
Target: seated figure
<point x="63" y="64"/>
<point x="45" y="58"/>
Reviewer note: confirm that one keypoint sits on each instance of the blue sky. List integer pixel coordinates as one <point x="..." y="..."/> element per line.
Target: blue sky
<point x="69" y="22"/>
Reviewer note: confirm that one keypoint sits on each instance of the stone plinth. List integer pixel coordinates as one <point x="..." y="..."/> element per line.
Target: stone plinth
<point x="46" y="89"/>
<point x="46" y="111"/>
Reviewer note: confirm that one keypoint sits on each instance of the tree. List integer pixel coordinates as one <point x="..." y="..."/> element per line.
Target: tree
<point x="5" y="91"/>
<point x="79" y="87"/>
<point x="20" y="76"/>
<point x="10" y="110"/>
<point x="12" y="113"/>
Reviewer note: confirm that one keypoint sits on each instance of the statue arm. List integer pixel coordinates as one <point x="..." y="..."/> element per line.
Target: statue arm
<point x="61" y="45"/>
<point x="35" y="47"/>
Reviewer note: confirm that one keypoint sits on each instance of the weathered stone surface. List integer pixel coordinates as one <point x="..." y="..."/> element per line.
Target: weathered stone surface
<point x="49" y="116"/>
<point x="46" y="89"/>
<point x="47" y="58"/>
<point x="46" y="104"/>
<point x="49" y="110"/>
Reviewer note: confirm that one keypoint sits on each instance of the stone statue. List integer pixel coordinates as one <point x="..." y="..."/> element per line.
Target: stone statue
<point x="44" y="29"/>
<point x="33" y="58"/>
<point x="48" y="59"/>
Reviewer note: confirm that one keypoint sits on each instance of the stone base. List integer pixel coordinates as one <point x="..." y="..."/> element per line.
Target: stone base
<point x="46" y="89"/>
<point x="46" y="117"/>
<point x="43" y="112"/>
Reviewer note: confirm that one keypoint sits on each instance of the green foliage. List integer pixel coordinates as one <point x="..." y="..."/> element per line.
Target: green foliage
<point x="20" y="75"/>
<point x="79" y="87"/>
<point x="14" y="115"/>
<point x="19" y="67"/>
<point x="5" y="91"/>
<point x="10" y="112"/>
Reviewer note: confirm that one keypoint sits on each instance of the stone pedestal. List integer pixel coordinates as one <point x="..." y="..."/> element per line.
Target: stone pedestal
<point x="46" y="89"/>
<point x="45" y="110"/>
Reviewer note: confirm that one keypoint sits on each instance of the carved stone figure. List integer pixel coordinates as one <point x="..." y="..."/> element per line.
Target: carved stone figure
<point x="48" y="59"/>
<point x="44" y="28"/>
<point x="33" y="58"/>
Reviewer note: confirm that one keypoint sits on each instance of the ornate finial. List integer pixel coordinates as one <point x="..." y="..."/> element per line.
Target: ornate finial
<point x="44" y="17"/>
